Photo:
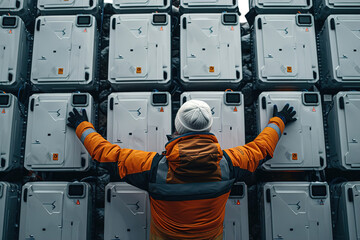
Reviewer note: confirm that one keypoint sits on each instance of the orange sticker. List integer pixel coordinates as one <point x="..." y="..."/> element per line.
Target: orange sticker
<point x="307" y="29"/>
<point x="55" y="156"/>
<point x="3" y="111"/>
<point x="161" y="29"/>
<point x="211" y="69"/>
<point x="85" y="30"/>
<point x="289" y="69"/>
<point x="294" y="156"/>
<point x="235" y="109"/>
<point x="60" y="71"/>
<point x="138" y="70"/>
<point x="10" y="31"/>
<point x="232" y="28"/>
<point x="161" y="109"/>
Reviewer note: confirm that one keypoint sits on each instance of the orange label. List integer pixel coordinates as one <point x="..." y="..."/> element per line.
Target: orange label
<point x="55" y="156"/>
<point x="232" y="28"/>
<point x="211" y="69"/>
<point x="161" y="109"/>
<point x="3" y="111"/>
<point x="294" y="156"/>
<point x="289" y="69"/>
<point x="60" y="71"/>
<point x="10" y="31"/>
<point x="161" y="29"/>
<point x="235" y="109"/>
<point x="138" y="70"/>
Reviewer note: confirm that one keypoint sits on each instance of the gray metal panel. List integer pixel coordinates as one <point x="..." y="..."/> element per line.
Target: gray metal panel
<point x="302" y="145"/>
<point x="204" y="6"/>
<point x="9" y="209"/>
<point x="47" y="212"/>
<point x="58" y="7"/>
<point x="345" y="204"/>
<point x="210" y="51"/>
<point x="343" y="3"/>
<point x="291" y="212"/>
<point x="26" y="9"/>
<point x="141" y="5"/>
<point x="229" y="120"/>
<point x="340" y="49"/>
<point x="64" y="53"/>
<point x="281" y="6"/>
<point x="7" y="4"/>
<point x="236" y="222"/>
<point x="10" y="134"/>
<point x="14" y="51"/>
<point x="127" y="214"/>
<point x="146" y="125"/>
<point x="285" y="52"/>
<point x="344" y="132"/>
<point x="323" y="8"/>
<point x="50" y="144"/>
<point x="139" y="52"/>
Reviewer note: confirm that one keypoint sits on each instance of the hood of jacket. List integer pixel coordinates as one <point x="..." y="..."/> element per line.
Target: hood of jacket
<point x="194" y="157"/>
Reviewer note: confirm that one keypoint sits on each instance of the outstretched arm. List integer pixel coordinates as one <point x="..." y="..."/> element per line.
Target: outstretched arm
<point x="250" y="155"/>
<point x="131" y="164"/>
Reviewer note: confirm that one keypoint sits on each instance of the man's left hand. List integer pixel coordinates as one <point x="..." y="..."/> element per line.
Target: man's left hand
<point x="75" y="118"/>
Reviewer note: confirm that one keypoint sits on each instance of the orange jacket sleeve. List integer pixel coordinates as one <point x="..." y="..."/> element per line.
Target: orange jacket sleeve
<point x="249" y="156"/>
<point x="128" y="161"/>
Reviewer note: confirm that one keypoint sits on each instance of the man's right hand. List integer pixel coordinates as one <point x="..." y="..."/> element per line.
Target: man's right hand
<point x="286" y="114"/>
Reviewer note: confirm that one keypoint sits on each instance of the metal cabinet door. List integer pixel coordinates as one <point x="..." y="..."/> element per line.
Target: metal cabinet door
<point x="127" y="214"/>
<point x="8" y="4"/>
<point x="44" y="213"/>
<point x="279" y="49"/>
<point x="352" y="116"/>
<point x="202" y="48"/>
<point x="139" y="3"/>
<point x="6" y="54"/>
<point x="344" y="3"/>
<point x="48" y="4"/>
<point x="283" y="3"/>
<point x="132" y="49"/>
<point x="6" y="131"/>
<point x="51" y="62"/>
<point x="131" y="123"/>
<point x="348" y="47"/>
<point x="48" y="132"/>
<point x="203" y="3"/>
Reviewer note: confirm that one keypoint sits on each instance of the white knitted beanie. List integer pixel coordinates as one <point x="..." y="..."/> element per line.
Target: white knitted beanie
<point x="193" y="116"/>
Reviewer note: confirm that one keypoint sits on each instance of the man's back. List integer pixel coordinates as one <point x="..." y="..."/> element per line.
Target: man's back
<point x="193" y="171"/>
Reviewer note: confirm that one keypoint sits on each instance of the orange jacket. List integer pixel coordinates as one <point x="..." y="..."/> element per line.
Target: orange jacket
<point x="190" y="183"/>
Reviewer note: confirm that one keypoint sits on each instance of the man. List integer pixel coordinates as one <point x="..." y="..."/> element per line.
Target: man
<point x="188" y="184"/>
